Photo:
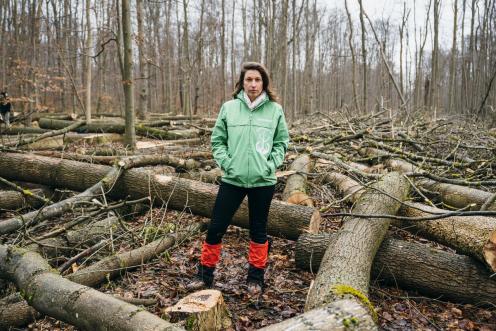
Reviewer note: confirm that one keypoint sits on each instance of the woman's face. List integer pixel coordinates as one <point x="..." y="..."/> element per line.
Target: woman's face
<point x="253" y="84"/>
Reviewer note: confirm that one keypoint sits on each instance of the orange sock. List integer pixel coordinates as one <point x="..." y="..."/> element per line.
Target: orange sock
<point x="210" y="255"/>
<point x="258" y="254"/>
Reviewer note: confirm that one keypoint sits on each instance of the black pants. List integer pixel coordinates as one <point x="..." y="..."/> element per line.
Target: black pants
<point x="227" y="203"/>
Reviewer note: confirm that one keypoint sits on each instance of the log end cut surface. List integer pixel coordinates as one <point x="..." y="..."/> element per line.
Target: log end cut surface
<point x="489" y="251"/>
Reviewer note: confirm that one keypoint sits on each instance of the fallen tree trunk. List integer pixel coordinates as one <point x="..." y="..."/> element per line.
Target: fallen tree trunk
<point x="54" y="124"/>
<point x="285" y="220"/>
<point x="456" y="196"/>
<point x="338" y="315"/>
<point x="108" y="268"/>
<point x="12" y="200"/>
<point x="470" y="235"/>
<point x="345" y="268"/>
<point x="57" y="209"/>
<point x="64" y="300"/>
<point x="295" y="189"/>
<point x="433" y="272"/>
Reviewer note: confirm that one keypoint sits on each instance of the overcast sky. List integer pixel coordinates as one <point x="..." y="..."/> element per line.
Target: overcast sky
<point x="393" y="9"/>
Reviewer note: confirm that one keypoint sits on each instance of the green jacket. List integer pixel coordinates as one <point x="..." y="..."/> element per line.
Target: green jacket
<point x="249" y="145"/>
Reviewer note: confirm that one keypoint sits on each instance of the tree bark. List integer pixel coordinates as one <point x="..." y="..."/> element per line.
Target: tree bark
<point x="474" y="235"/>
<point x="285" y="220"/>
<point x="452" y="195"/>
<point x="203" y="310"/>
<point x="12" y="200"/>
<point x="296" y="183"/>
<point x="339" y="315"/>
<point x="57" y="209"/>
<point x="413" y="266"/>
<point x="347" y="262"/>
<point x="53" y="124"/>
<point x="75" y="304"/>
<point x="127" y="75"/>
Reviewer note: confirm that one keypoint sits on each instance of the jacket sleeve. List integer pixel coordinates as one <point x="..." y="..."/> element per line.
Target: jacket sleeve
<point x="280" y="143"/>
<point x="219" y="141"/>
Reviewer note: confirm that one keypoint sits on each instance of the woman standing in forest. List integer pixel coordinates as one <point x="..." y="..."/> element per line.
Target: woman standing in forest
<point x="249" y="142"/>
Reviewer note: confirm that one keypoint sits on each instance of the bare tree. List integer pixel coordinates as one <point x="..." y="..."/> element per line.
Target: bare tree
<point x="127" y="77"/>
<point x="89" y="42"/>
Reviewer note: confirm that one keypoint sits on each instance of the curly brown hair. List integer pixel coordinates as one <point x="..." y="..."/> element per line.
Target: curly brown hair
<point x="265" y="79"/>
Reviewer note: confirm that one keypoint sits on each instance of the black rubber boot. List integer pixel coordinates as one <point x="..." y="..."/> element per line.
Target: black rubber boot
<point x="255" y="280"/>
<point x="203" y="279"/>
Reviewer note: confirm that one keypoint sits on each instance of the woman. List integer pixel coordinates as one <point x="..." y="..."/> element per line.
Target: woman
<point x="249" y="142"/>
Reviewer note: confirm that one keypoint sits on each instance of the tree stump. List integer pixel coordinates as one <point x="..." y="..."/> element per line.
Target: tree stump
<point x="202" y="310"/>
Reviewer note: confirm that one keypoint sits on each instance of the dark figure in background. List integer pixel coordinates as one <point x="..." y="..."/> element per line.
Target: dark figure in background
<point x="5" y="108"/>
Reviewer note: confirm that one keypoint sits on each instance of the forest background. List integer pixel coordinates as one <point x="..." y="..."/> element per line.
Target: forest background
<point x="67" y="56"/>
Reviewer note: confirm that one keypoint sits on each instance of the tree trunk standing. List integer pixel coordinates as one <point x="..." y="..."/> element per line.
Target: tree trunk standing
<point x="35" y="36"/>
<point x="353" y="59"/>
<point x="471" y="60"/>
<point x="283" y="56"/>
<point x="199" y="59"/>
<point x="293" y="64"/>
<point x="364" y="59"/>
<point x="87" y="59"/>
<point x="433" y="87"/>
<point x="410" y="265"/>
<point x="345" y="268"/>
<point x="404" y="20"/>
<point x="233" y="51"/>
<point x="186" y="64"/>
<point x="223" y="51"/>
<point x="452" y="67"/>
<point x="143" y="66"/>
<point x="127" y="79"/>
<point x="245" y="32"/>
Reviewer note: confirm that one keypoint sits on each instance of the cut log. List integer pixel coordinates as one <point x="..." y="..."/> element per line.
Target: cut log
<point x="456" y="196"/>
<point x="12" y="200"/>
<point x="349" y="188"/>
<point x="93" y="138"/>
<point x="345" y="268"/>
<point x="57" y="209"/>
<point x="470" y="235"/>
<point x="201" y="311"/>
<point x="409" y="265"/>
<point x="474" y="235"/>
<point x="339" y="315"/>
<point x="72" y="303"/>
<point x="295" y="190"/>
<point x="285" y="220"/>
<point x="108" y="268"/>
<point x="95" y="127"/>
<point x="14" y="312"/>
<point x="49" y="143"/>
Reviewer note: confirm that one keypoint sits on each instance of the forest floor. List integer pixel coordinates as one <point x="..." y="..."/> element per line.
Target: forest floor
<point x="165" y="278"/>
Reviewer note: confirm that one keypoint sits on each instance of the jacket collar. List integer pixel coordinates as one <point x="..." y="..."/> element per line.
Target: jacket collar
<point x="259" y="101"/>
